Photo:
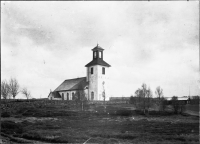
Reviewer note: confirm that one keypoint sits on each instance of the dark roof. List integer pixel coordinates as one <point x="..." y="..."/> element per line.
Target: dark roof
<point x="97" y="62"/>
<point x="55" y="94"/>
<point x="98" y="48"/>
<point x="72" y="84"/>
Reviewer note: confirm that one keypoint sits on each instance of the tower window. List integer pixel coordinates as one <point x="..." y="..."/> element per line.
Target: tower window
<point x="95" y="54"/>
<point x="92" y="70"/>
<point x="100" y="54"/>
<point x="103" y="70"/>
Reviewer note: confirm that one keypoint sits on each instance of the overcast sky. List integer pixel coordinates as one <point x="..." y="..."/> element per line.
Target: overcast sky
<point x="157" y="43"/>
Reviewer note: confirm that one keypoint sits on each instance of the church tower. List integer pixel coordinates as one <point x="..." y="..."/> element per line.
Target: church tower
<point x="97" y="76"/>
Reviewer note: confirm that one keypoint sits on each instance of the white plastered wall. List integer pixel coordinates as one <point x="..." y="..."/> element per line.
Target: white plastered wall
<point x="65" y="94"/>
<point x="95" y="82"/>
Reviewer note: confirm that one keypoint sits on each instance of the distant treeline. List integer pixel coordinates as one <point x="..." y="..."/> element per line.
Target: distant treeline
<point x="22" y="100"/>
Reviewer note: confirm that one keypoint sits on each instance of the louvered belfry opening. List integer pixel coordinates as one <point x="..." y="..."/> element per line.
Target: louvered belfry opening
<point x="97" y="52"/>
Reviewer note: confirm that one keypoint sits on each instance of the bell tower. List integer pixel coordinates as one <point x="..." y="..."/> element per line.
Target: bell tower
<point x="98" y="76"/>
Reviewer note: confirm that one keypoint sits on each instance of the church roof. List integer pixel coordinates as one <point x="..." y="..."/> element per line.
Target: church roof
<point x="72" y="84"/>
<point x="97" y="62"/>
<point x="97" y="48"/>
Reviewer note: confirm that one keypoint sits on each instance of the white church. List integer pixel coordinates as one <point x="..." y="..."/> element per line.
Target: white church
<point x="95" y="86"/>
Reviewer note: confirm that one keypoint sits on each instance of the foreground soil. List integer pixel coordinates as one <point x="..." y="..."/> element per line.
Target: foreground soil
<point x="97" y="125"/>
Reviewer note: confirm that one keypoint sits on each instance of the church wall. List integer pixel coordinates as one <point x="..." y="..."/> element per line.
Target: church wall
<point x="65" y="94"/>
<point x="103" y="78"/>
<point x="93" y="87"/>
<point x="95" y="82"/>
<point x="70" y="94"/>
<point x="86" y="93"/>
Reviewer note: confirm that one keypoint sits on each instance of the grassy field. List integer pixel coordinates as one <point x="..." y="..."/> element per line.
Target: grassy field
<point x="65" y="123"/>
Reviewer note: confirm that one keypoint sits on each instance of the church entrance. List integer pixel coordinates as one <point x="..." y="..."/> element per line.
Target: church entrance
<point x="67" y="96"/>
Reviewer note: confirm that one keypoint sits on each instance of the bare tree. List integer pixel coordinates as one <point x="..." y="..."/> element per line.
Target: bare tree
<point x="143" y="98"/>
<point x="4" y="89"/>
<point x="139" y="99"/>
<point x="13" y="87"/>
<point x="159" y="93"/>
<point x="149" y="99"/>
<point x="144" y="90"/>
<point x="26" y="93"/>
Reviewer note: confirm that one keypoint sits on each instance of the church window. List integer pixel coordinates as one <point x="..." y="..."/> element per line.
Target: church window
<point x="92" y="95"/>
<point x="103" y="70"/>
<point x="100" y="54"/>
<point x="95" y="54"/>
<point x="67" y="96"/>
<point x="73" y="96"/>
<point x="92" y="70"/>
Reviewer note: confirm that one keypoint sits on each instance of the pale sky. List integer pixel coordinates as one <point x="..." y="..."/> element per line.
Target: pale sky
<point x="157" y="43"/>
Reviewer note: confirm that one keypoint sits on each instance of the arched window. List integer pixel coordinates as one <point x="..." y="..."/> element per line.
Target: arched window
<point x="103" y="70"/>
<point x="67" y="96"/>
<point x="62" y="96"/>
<point x="73" y="96"/>
<point x="92" y="95"/>
<point x="92" y="70"/>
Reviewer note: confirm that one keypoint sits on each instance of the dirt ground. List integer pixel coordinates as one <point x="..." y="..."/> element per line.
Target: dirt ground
<point x="97" y="124"/>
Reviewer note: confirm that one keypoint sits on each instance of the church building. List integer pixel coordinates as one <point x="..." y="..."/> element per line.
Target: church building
<point x="95" y="86"/>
